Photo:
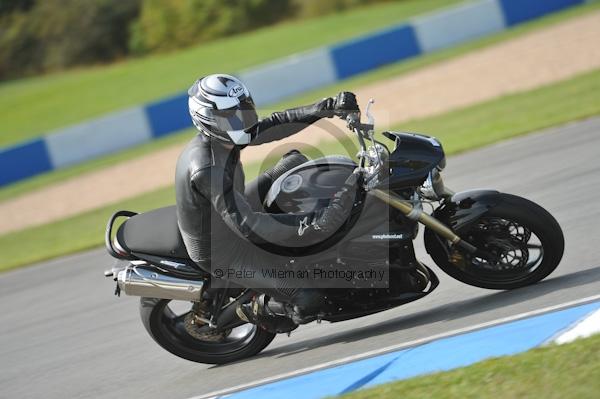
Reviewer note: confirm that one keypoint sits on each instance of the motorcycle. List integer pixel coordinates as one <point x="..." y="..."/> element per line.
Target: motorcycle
<point x="483" y="238"/>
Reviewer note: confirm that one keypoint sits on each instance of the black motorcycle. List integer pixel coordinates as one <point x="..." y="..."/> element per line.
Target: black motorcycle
<point x="483" y="238"/>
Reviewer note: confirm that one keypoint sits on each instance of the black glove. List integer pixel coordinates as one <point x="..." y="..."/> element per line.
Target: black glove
<point x="331" y="218"/>
<point x="345" y="103"/>
<point x="325" y="107"/>
<point x="342" y="105"/>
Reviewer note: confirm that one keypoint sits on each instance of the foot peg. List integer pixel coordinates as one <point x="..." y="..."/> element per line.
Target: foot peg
<point x="269" y="315"/>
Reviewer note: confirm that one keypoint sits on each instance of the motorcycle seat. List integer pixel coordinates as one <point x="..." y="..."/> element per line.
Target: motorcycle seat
<point x="153" y="233"/>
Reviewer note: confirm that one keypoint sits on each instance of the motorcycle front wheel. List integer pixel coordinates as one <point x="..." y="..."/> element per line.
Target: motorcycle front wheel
<point x="171" y="325"/>
<point x="525" y="240"/>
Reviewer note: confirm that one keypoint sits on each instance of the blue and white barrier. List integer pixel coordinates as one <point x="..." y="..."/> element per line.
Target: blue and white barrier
<point x="442" y="354"/>
<point x="105" y="135"/>
<point x="24" y="160"/>
<point x="274" y="82"/>
<point x="290" y="76"/>
<point x="446" y="29"/>
<point x="375" y="50"/>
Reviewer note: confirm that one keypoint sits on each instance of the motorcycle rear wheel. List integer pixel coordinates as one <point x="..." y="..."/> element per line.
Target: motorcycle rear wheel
<point x="526" y="221"/>
<point x="169" y="330"/>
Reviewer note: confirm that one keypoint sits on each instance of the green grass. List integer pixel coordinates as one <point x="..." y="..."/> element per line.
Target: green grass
<point x="460" y="130"/>
<point x="565" y="371"/>
<point x="514" y="115"/>
<point x="350" y="84"/>
<point x="33" y="106"/>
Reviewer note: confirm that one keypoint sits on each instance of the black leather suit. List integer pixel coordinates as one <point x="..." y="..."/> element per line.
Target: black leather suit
<point x="218" y="223"/>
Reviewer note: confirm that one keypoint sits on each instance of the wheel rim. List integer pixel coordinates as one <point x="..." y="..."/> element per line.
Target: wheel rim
<point x="172" y="320"/>
<point x="518" y="248"/>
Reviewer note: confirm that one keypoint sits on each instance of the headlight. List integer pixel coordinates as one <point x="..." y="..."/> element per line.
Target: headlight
<point x="440" y="166"/>
<point x="433" y="188"/>
<point x="427" y="190"/>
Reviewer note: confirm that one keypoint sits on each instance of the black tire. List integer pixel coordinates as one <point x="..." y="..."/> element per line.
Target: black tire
<point x="158" y="320"/>
<point x="524" y="212"/>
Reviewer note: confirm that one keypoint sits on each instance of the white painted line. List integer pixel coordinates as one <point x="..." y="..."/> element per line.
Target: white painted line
<point x="584" y="328"/>
<point x="392" y="348"/>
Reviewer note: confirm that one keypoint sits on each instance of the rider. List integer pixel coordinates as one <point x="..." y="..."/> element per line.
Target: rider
<point x="215" y="208"/>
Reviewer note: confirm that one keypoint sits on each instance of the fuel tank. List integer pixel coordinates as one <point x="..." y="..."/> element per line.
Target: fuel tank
<point x="312" y="185"/>
<point x="309" y="186"/>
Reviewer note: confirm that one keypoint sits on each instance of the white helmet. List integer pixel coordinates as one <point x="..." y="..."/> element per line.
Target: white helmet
<point x="221" y="106"/>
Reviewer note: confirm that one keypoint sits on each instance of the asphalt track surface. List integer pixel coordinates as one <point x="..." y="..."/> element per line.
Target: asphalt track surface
<point x="63" y="333"/>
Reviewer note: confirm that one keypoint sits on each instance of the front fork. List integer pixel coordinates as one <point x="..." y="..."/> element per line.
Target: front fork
<point x="417" y="214"/>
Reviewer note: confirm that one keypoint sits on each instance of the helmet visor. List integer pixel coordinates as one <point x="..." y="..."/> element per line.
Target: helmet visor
<point x="238" y="118"/>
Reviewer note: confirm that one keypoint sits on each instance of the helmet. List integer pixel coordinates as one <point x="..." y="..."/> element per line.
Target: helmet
<point x="221" y="106"/>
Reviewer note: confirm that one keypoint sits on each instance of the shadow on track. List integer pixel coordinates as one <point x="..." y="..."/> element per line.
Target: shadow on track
<point x="451" y="311"/>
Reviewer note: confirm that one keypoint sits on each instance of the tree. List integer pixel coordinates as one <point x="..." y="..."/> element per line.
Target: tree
<point x="55" y="34"/>
<point x="168" y="24"/>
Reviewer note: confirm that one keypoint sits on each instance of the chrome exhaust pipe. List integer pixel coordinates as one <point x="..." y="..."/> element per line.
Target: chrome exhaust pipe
<point x="152" y="283"/>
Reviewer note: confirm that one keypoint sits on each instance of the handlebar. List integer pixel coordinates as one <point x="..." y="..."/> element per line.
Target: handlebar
<point x="353" y="121"/>
<point x="365" y="132"/>
<point x="362" y="129"/>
